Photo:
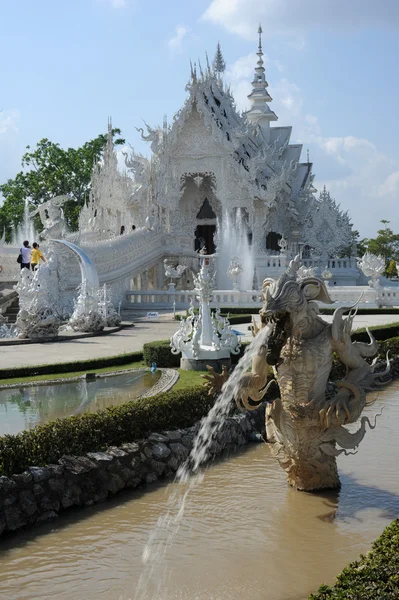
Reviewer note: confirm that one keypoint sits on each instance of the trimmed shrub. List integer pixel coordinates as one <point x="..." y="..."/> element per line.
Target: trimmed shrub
<point x="72" y="367"/>
<point x="160" y="353"/>
<point x="92" y="432"/>
<point x="238" y="319"/>
<point x="391" y="345"/>
<point x="380" y="332"/>
<point x="373" y="577"/>
<point x="364" y="311"/>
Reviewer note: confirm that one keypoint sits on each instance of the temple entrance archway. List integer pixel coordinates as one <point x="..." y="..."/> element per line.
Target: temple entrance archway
<point x="272" y="240"/>
<point x="206" y="228"/>
<point x="204" y="237"/>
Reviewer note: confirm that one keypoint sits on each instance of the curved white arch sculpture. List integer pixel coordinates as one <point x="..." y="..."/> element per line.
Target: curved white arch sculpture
<point x="87" y="267"/>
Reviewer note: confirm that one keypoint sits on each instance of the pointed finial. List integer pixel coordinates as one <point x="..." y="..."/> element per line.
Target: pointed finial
<point x="308" y="161"/>
<point x="260" y="37"/>
<point x="208" y="67"/>
<point x="200" y="69"/>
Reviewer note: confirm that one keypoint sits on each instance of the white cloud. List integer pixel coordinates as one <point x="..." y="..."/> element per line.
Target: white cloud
<point x="296" y="19"/>
<point x="8" y="120"/>
<point x="175" y="42"/>
<point x="390" y="187"/>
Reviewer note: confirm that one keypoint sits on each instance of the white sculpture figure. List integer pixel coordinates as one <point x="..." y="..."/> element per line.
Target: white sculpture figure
<point x="234" y="270"/>
<point x="307" y="271"/>
<point x="111" y="316"/>
<point x="38" y="316"/>
<point x="87" y="315"/>
<point x="52" y="218"/>
<point x="155" y="136"/>
<point x="204" y="338"/>
<point x="174" y="272"/>
<point x="372" y="266"/>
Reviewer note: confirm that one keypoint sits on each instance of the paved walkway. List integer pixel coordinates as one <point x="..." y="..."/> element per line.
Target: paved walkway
<point x="127" y="340"/>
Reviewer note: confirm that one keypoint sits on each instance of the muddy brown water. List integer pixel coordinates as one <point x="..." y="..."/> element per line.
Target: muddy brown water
<point x="244" y="534"/>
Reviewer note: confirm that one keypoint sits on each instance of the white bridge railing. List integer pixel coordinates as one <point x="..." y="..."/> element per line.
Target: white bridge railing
<point x="182" y="299"/>
<point x="342" y="295"/>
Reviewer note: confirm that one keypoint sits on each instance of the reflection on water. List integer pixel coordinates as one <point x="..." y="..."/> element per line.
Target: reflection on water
<point x="24" y="407"/>
<point x="245" y="534"/>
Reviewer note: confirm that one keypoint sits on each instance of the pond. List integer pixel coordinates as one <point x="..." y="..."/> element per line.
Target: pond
<point x="245" y="533"/>
<point x="25" y="407"/>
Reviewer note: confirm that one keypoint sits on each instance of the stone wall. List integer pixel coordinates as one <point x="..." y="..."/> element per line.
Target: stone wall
<point x="41" y="493"/>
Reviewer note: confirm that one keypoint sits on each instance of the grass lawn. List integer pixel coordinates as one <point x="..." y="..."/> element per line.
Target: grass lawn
<point x="186" y="379"/>
<point x="49" y="376"/>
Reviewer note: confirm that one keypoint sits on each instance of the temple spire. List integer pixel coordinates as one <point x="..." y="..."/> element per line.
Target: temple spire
<point x="260" y="113"/>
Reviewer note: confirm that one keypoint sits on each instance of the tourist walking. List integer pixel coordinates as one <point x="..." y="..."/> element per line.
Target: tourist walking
<point x="36" y="256"/>
<point x="26" y="255"/>
<point x="122" y="231"/>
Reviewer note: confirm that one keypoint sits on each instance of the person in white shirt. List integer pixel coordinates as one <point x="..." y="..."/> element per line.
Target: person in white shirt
<point x="26" y="255"/>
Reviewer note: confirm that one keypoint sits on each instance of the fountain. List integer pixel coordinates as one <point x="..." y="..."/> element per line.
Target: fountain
<point x="306" y="424"/>
<point x="26" y="229"/>
<point x="232" y="241"/>
<point x="206" y="338"/>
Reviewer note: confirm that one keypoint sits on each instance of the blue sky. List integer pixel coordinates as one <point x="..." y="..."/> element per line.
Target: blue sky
<point x="331" y="66"/>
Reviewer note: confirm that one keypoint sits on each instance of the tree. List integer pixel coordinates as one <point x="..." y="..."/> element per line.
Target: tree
<point x="52" y="171"/>
<point x="391" y="270"/>
<point x="386" y="243"/>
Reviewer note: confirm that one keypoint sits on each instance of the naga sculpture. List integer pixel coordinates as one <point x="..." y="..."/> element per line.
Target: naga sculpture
<point x="305" y="426"/>
<point x="51" y="217"/>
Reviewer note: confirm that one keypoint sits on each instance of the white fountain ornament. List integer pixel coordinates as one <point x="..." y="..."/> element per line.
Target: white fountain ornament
<point x="372" y="266"/>
<point x="283" y="245"/>
<point x="327" y="275"/>
<point x="206" y="338"/>
<point x="234" y="270"/>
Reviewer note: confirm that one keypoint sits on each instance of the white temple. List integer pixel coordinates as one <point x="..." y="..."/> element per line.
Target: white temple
<point x="210" y="162"/>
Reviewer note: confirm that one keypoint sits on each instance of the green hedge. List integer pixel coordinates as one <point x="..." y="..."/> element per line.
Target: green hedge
<point x="160" y="353"/>
<point x="72" y="367"/>
<point x="373" y="577"/>
<point x="92" y="432"/>
<point x="380" y="332"/>
<point x="391" y="345"/>
<point x="364" y="311"/>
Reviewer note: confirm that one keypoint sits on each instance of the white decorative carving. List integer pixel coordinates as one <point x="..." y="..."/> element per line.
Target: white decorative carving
<point x="38" y="315"/>
<point x="88" y="315"/>
<point x="372" y="266"/>
<point x="51" y="217"/>
<point x="206" y="335"/>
